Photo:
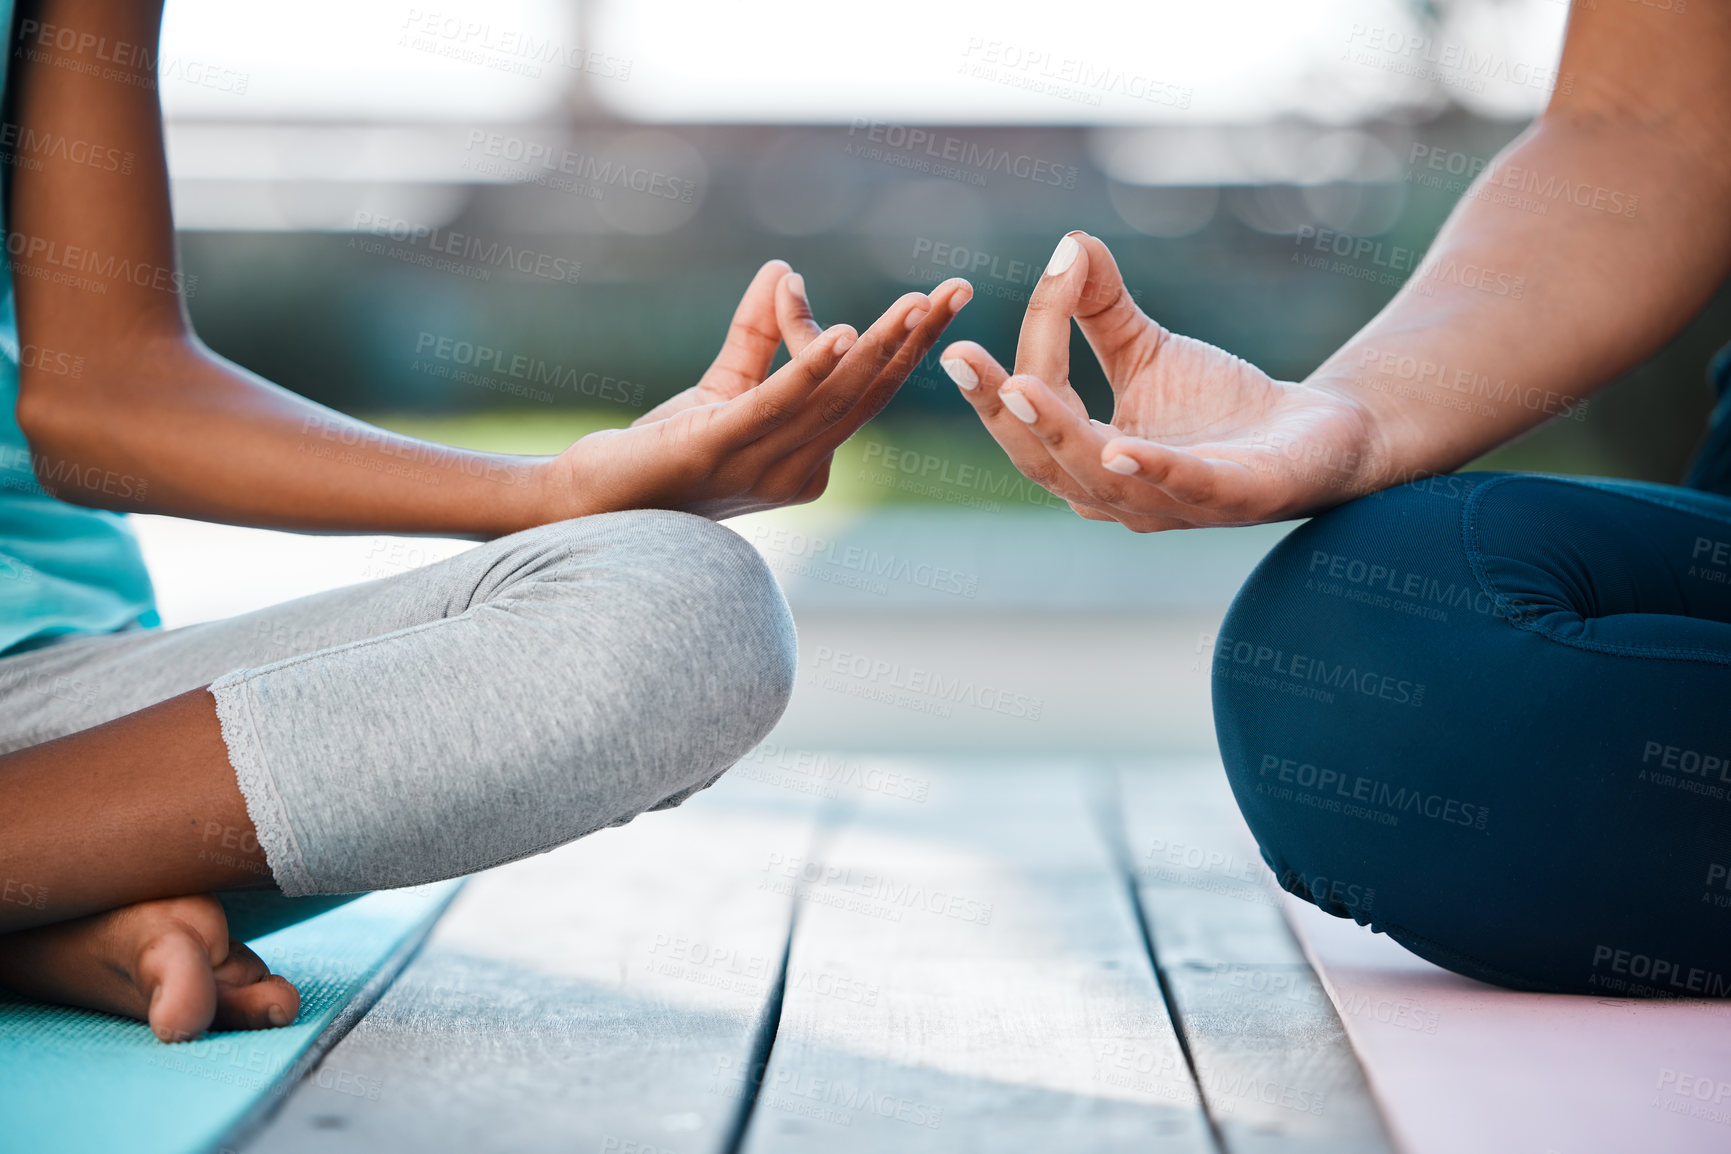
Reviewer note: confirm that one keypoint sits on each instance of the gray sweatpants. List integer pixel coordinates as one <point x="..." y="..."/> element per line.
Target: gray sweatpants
<point x="475" y="711"/>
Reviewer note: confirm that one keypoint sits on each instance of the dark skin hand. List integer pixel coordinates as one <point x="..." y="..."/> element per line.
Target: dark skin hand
<point x="110" y="827"/>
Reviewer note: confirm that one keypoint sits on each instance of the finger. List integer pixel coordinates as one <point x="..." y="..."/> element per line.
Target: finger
<point x="1223" y="487"/>
<point x="837" y="398"/>
<point x="1043" y="348"/>
<point x="793" y="314"/>
<point x="980" y="377"/>
<point x="1070" y="438"/>
<point x="1078" y="446"/>
<point x="753" y="335"/>
<point x="1105" y="311"/>
<point x="947" y="299"/>
<point x="759" y="411"/>
<point x="1088" y="512"/>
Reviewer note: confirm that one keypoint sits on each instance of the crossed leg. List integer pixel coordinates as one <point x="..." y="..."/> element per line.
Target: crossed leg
<point x="419" y="727"/>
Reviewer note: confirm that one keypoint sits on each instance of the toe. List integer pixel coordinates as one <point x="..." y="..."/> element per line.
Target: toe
<point x="249" y="996"/>
<point x="173" y="975"/>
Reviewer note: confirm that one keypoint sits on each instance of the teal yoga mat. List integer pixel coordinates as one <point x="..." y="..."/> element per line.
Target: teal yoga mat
<point x="73" y="1081"/>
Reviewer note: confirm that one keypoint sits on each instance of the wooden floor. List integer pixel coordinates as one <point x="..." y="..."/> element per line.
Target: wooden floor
<point x="838" y="953"/>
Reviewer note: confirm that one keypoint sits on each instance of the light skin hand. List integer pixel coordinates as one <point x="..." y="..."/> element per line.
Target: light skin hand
<point x="1196" y="437"/>
<point x="740" y="441"/>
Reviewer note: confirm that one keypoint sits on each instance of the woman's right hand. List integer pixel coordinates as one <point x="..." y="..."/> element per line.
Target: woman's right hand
<point x="1197" y="436"/>
<point x="743" y="439"/>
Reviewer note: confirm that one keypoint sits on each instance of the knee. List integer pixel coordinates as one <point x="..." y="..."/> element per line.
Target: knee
<point x="1326" y="674"/>
<point x="726" y="636"/>
<point x="698" y="636"/>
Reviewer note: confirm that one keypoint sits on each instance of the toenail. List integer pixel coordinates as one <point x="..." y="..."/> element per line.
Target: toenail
<point x="277" y="1015"/>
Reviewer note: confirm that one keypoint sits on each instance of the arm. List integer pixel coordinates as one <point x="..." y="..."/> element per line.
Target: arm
<point x="1524" y="313"/>
<point x="1614" y="268"/>
<point x="96" y="277"/>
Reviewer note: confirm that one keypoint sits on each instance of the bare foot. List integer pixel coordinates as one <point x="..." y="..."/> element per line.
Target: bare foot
<point x="169" y="962"/>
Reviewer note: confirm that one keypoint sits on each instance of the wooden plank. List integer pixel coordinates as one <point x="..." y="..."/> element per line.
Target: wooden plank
<point x="968" y="974"/>
<point x="579" y="1000"/>
<point x="1276" y="1070"/>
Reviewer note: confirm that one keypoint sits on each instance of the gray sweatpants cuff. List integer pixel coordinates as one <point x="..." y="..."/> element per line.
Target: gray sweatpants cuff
<point x="264" y="803"/>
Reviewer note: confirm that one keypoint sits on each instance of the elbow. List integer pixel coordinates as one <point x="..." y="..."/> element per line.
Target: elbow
<point x="52" y="409"/>
<point x="71" y="431"/>
<point x="40" y="409"/>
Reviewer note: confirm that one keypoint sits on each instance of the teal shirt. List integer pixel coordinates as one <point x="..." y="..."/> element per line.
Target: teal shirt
<point x="64" y="569"/>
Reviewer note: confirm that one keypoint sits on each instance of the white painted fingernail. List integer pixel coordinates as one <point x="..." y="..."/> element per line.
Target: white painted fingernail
<point x="1018" y="404"/>
<point x="1063" y="256"/>
<point x="962" y="373"/>
<point x="1123" y="464"/>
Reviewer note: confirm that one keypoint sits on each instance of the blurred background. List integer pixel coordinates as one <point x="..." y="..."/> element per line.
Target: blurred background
<point x="502" y="223"/>
<point x="359" y="182"/>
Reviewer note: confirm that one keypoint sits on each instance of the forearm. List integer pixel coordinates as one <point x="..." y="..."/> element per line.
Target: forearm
<point x="1517" y="313"/>
<point x="152" y="420"/>
<point x="183" y="432"/>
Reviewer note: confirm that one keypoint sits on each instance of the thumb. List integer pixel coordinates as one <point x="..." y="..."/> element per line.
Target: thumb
<point x="1105" y="311"/>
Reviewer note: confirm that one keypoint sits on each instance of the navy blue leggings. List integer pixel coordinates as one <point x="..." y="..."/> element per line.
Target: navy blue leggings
<point x="1489" y="714"/>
